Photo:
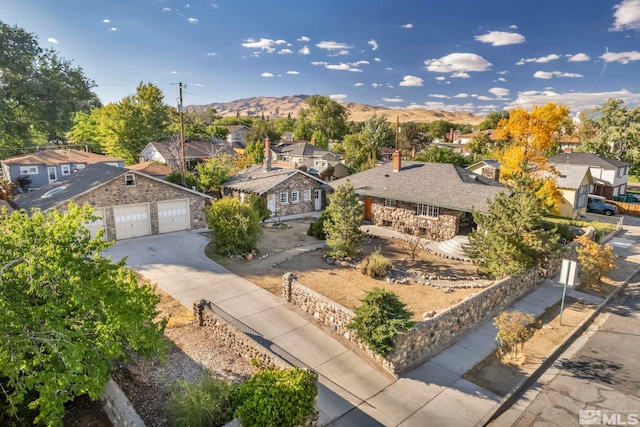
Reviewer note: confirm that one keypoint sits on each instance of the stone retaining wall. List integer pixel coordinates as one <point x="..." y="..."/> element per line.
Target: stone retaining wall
<point x="234" y="339"/>
<point x="118" y="408"/>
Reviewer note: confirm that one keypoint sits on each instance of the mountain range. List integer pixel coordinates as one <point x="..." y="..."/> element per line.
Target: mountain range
<point x="272" y="107"/>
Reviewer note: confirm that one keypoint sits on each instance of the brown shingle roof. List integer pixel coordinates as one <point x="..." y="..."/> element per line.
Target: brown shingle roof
<point x="58" y="157"/>
<point x="151" y="168"/>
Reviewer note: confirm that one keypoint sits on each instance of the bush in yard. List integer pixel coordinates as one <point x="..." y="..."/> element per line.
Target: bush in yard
<point x="316" y="228"/>
<point x="236" y="226"/>
<point x="514" y="328"/>
<point x="206" y="402"/>
<point x="276" y="397"/>
<point x="259" y="204"/>
<point x="375" y="265"/>
<point x="343" y="229"/>
<point x="379" y="318"/>
<point x="175" y="177"/>
<point x="594" y="259"/>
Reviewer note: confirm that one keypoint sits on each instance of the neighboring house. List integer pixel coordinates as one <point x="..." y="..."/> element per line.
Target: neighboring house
<point x="488" y="168"/>
<point x="568" y="143"/>
<point x="609" y="175"/>
<point x="303" y="153"/>
<point x="48" y="166"/>
<point x="156" y="170"/>
<point x="467" y="137"/>
<point x="170" y="152"/>
<point x="575" y="184"/>
<point x="434" y="200"/>
<point x="237" y="136"/>
<point x="128" y="203"/>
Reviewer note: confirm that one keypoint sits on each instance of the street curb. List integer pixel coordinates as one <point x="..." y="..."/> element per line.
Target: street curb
<point x="515" y="394"/>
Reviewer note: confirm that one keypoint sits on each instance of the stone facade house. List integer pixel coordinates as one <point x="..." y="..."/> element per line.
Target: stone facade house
<point x="128" y="203"/>
<point x="170" y="152"/>
<point x="488" y="168"/>
<point x="434" y="200"/>
<point x="48" y="166"/>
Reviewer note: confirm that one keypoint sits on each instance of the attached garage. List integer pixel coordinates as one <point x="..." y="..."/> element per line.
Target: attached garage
<point x="132" y="221"/>
<point x="173" y="215"/>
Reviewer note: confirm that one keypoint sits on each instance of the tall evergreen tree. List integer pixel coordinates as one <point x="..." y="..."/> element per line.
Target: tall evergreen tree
<point x="343" y="229"/>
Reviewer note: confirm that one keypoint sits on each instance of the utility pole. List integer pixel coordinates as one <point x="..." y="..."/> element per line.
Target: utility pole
<point x="182" y="148"/>
<point x="397" y="130"/>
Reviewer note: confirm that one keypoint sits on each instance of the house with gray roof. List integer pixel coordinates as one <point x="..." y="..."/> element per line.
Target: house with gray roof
<point x="170" y="152"/>
<point x="127" y="203"/>
<point x="489" y="168"/>
<point x="298" y="153"/>
<point x="44" y="167"/>
<point x="609" y="175"/>
<point x="574" y="183"/>
<point x="434" y="200"/>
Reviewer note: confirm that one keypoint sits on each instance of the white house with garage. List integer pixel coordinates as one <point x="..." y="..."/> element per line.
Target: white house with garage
<point x="128" y="203"/>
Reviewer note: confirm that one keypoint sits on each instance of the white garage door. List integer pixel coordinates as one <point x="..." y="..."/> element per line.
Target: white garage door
<point x="173" y="215"/>
<point x="97" y="224"/>
<point x="132" y="221"/>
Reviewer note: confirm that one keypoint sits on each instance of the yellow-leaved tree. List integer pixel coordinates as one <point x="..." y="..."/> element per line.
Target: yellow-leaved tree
<point x="531" y="141"/>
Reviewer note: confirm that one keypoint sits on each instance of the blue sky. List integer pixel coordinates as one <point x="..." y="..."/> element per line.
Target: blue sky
<point x="455" y="55"/>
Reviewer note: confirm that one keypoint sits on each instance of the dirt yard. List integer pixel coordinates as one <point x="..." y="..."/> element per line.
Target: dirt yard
<point x="347" y="285"/>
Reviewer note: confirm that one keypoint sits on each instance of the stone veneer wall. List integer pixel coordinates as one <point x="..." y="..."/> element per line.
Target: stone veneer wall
<point x="234" y="339"/>
<point x="431" y="335"/>
<point x="145" y="190"/>
<point x="118" y="408"/>
<point x="403" y="218"/>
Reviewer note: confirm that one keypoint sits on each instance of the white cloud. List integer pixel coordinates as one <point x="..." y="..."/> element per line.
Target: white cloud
<point x="576" y="101"/>
<point x="407" y="26"/>
<point x="114" y="29"/>
<point x="579" y="57"/>
<point x="500" y="92"/>
<point x="513" y="27"/>
<point x="285" y="52"/>
<point x="626" y="16"/>
<point x="438" y="95"/>
<point x="550" y="74"/>
<point x="540" y="60"/>
<point x="341" y="66"/>
<point x="457" y="62"/>
<point x="192" y="20"/>
<point x="293" y="73"/>
<point x="373" y="44"/>
<point x="173" y="72"/>
<point x="352" y="66"/>
<point x="500" y="38"/>
<point x="411" y="81"/>
<point x="460" y="75"/>
<point x="377" y="59"/>
<point x="376" y="84"/>
<point x="333" y="46"/>
<point x="396" y="99"/>
<point x="304" y="51"/>
<point x="338" y="97"/>
<point x="212" y="54"/>
<point x="304" y="39"/>
<point x="52" y="40"/>
<point x="621" y="57"/>
<point x="166" y="9"/>
<point x="359" y="84"/>
<point x="388" y="68"/>
<point x="484" y="98"/>
<point x="263" y="44"/>
<point x="106" y="21"/>
<point x="440" y="78"/>
<point x="461" y="95"/>
<point x="266" y="75"/>
<point x="501" y="79"/>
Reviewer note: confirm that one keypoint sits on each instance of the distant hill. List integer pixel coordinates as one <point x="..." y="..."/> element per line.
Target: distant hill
<point x="273" y="108"/>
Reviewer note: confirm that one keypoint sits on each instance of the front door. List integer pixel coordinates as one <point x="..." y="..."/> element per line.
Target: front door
<point x="53" y="175"/>
<point x="271" y="203"/>
<point x="317" y="198"/>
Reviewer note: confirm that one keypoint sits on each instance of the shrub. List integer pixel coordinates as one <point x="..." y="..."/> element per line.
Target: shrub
<point x="316" y="228"/>
<point x="259" y="204"/>
<point x="375" y="265"/>
<point x="275" y="397"/>
<point x="175" y="177"/>
<point x="513" y="330"/>
<point x="236" y="226"/>
<point x="594" y="259"/>
<point x="344" y="236"/>
<point x="206" y="402"/>
<point x="379" y="318"/>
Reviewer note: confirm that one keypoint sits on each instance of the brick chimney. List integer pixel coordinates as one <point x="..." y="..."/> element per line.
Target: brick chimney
<point x="313" y="141"/>
<point x="397" y="161"/>
<point x="267" y="155"/>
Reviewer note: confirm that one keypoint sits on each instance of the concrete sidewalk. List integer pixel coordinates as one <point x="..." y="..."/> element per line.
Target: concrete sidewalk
<point x="351" y="392"/>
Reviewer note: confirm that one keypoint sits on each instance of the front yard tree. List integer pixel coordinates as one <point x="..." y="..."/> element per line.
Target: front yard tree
<point x="510" y="238"/>
<point x="235" y="225"/>
<point x="344" y="236"/>
<point x="214" y="172"/>
<point x="66" y="315"/>
<point x="594" y="259"/>
<point x="325" y="119"/>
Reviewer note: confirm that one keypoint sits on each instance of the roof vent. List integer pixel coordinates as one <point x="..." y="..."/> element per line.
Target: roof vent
<point x="53" y="191"/>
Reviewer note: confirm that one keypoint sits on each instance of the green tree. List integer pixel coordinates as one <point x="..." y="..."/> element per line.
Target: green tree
<point x="510" y="238"/>
<point x="276" y="397"/>
<point x="410" y="137"/>
<point x="254" y="152"/>
<point x="206" y="402"/>
<point x="215" y="172"/>
<point x="259" y="204"/>
<point x="262" y="129"/>
<point x="235" y="225"/>
<point x="492" y="119"/>
<point x="440" y="129"/>
<point x="218" y="131"/>
<point x="325" y="119"/>
<point x="344" y="236"/>
<point x="189" y="180"/>
<point x="67" y="313"/>
<point x="379" y="318"/>
<point x="363" y="150"/>
<point x="436" y="154"/>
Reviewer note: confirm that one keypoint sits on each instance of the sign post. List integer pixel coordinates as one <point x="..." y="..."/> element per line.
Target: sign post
<point x="567" y="278"/>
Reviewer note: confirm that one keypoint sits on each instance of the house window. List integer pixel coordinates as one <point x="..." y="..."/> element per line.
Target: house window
<point x="306" y="195"/>
<point x="427" y="210"/>
<point x="28" y="170"/>
<point x="389" y="202"/>
<point x="129" y="179"/>
<point x="295" y="196"/>
<point x="284" y="198"/>
<point x="66" y="169"/>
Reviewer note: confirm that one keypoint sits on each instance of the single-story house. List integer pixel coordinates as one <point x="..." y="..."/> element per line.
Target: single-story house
<point x="575" y="184"/>
<point x="609" y="175"/>
<point x="129" y="203"/>
<point x="434" y="200"/>
<point x="154" y="169"/>
<point x="488" y="168"/>
<point x="303" y="153"/>
<point x="170" y="152"/>
<point x="44" y="167"/>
